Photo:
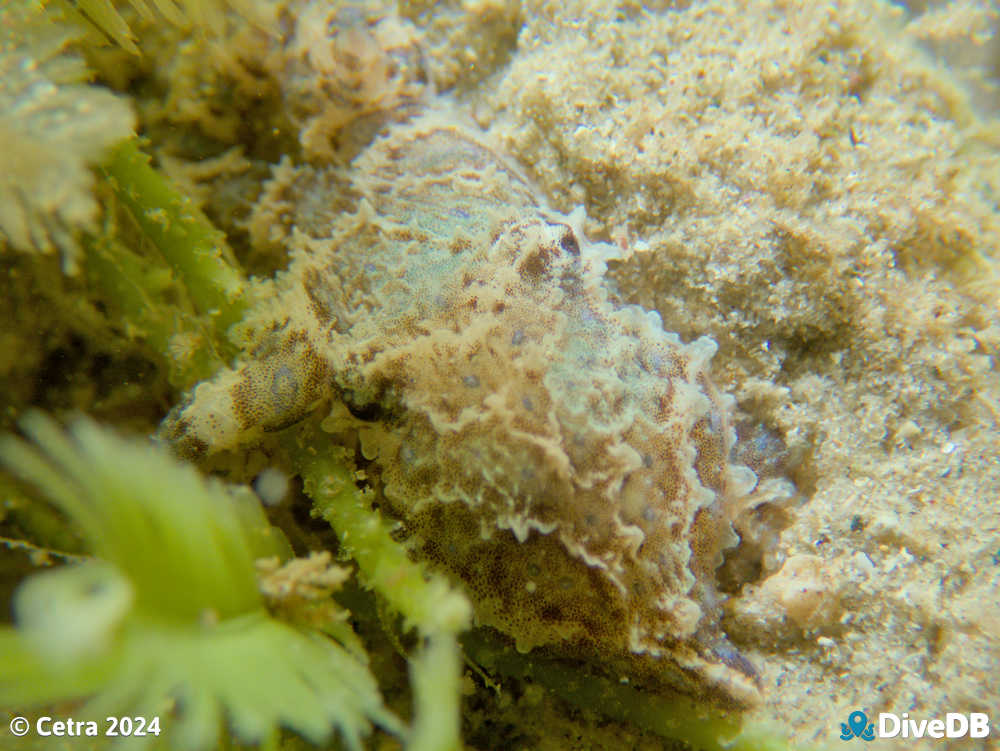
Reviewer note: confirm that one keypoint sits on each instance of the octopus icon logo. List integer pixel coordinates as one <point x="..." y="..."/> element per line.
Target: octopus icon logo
<point x="857" y="726"/>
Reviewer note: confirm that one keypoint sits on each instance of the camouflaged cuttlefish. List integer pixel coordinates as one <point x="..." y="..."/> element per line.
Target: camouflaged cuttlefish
<point x="565" y="458"/>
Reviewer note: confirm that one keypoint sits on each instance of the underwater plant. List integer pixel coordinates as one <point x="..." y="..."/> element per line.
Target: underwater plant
<point x="61" y="127"/>
<point x="165" y="620"/>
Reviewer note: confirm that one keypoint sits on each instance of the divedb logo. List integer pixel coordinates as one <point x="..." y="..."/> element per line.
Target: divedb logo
<point x="889" y="725"/>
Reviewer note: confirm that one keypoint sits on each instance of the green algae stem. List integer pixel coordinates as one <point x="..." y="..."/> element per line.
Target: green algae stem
<point x="425" y="601"/>
<point x="185" y="346"/>
<point x="436" y="673"/>
<point x="189" y="242"/>
<point x="702" y="727"/>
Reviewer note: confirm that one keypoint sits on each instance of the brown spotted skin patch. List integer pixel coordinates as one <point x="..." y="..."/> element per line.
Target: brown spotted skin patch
<point x="563" y="457"/>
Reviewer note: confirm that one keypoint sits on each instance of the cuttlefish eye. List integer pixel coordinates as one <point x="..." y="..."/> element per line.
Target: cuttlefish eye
<point x="569" y="243"/>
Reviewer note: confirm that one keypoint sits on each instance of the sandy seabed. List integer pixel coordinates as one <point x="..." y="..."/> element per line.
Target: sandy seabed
<point x="816" y="189"/>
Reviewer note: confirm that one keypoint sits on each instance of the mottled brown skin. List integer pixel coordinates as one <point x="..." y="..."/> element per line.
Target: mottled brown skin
<point x="566" y="459"/>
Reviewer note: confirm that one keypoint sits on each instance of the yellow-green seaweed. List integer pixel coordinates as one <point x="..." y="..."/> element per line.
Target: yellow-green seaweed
<point x="188" y="241"/>
<point x="168" y="613"/>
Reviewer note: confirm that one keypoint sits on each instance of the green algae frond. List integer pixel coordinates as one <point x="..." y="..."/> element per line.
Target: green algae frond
<point x="54" y="126"/>
<point x="188" y="242"/>
<point x="168" y="612"/>
<point x="203" y="14"/>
